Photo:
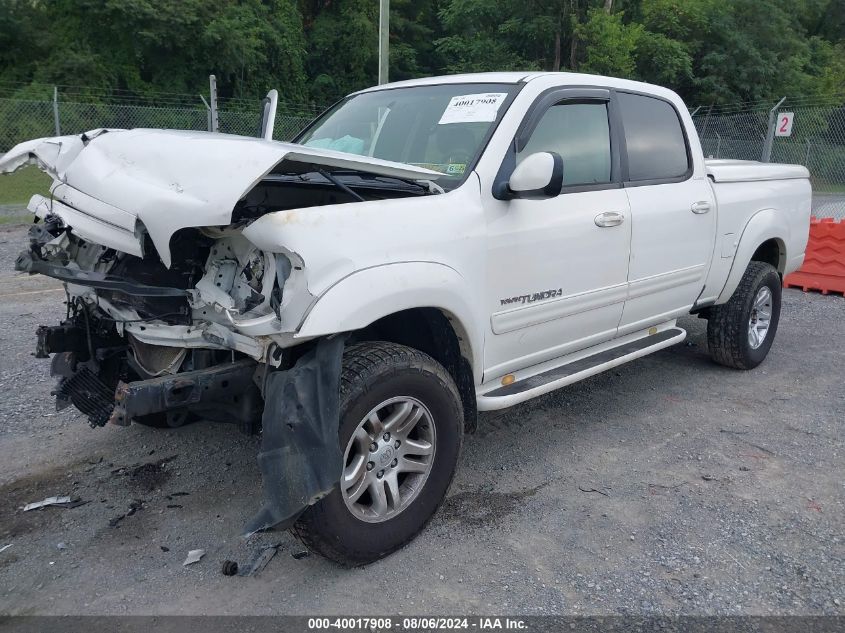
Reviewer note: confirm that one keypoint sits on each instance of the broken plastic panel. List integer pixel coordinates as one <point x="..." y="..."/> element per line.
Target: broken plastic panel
<point x="300" y="458"/>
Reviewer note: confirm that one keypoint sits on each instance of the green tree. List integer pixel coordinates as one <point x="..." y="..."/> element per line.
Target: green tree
<point x="154" y="45"/>
<point x="257" y="45"/>
<point x="414" y="27"/>
<point x="507" y="35"/>
<point x="342" y="49"/>
<point x="756" y="50"/>
<point x="609" y="45"/>
<point x="711" y="51"/>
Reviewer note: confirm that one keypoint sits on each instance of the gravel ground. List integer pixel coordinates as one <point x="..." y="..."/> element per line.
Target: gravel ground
<point x="668" y="486"/>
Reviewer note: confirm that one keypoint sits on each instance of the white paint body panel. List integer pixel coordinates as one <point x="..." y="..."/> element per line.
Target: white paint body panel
<point x="464" y="252"/>
<point x="671" y="249"/>
<point x="171" y="179"/>
<point x="540" y="246"/>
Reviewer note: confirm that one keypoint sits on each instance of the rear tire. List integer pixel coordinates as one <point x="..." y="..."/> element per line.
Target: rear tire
<point x="741" y="331"/>
<point x="401" y="426"/>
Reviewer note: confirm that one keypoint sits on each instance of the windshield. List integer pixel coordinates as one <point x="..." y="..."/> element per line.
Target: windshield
<point x="441" y="127"/>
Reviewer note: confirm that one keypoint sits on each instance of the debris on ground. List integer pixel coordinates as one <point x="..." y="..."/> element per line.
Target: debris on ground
<point x="49" y="501"/>
<point x="61" y="502"/>
<point x="300" y="555"/>
<point x="5" y="547"/>
<point x="708" y="478"/>
<point x="61" y="546"/>
<point x="151" y="475"/>
<point x="260" y="561"/>
<point x="601" y="491"/>
<point x="193" y="557"/>
<point x="134" y="506"/>
<point x="230" y="568"/>
<point x="164" y="548"/>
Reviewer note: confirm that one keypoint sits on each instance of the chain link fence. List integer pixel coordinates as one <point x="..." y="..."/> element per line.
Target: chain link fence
<point x="816" y="140"/>
<point x="68" y="110"/>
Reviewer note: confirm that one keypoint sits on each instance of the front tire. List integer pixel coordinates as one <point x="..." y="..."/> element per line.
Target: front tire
<point x="401" y="426"/>
<point x="740" y="332"/>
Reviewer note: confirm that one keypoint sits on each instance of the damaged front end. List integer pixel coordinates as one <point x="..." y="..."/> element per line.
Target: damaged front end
<point x="148" y="343"/>
<point x="171" y="311"/>
<point x="134" y="349"/>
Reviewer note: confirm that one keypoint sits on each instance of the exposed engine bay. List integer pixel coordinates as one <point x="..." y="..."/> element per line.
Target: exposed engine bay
<point x="165" y="319"/>
<point x="106" y="358"/>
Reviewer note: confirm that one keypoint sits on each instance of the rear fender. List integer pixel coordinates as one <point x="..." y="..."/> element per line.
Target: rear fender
<point x="764" y="225"/>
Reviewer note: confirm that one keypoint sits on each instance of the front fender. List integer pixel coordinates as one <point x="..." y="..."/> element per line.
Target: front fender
<point x="367" y="295"/>
<point x="764" y="225"/>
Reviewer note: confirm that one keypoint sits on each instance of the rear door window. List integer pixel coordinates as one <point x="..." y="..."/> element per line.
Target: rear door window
<point x="657" y="149"/>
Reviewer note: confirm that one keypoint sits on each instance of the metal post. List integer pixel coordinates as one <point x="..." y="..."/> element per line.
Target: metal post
<point x="383" y="32"/>
<point x="212" y="97"/>
<point x="706" y="121"/>
<point x="807" y="157"/>
<point x="718" y="143"/>
<point x="770" y="134"/>
<point x="56" y="111"/>
<point x="207" y="113"/>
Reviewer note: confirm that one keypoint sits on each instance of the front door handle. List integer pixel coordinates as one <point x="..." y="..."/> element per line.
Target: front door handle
<point x="609" y="218"/>
<point x="700" y="207"/>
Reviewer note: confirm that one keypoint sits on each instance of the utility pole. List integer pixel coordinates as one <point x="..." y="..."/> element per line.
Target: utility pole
<point x="383" y="32"/>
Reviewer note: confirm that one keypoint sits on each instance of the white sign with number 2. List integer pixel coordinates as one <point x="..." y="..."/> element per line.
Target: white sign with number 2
<point x="784" y="126"/>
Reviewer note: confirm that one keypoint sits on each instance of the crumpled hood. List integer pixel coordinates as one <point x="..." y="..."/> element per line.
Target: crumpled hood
<point x="170" y="179"/>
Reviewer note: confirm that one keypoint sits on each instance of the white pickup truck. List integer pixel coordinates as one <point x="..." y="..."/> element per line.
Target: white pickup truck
<point x="423" y="251"/>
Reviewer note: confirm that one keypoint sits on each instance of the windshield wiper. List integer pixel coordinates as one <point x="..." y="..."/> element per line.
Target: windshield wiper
<point x="365" y="175"/>
<point x="337" y="183"/>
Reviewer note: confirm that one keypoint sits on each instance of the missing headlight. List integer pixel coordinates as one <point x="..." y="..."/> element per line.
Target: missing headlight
<point x="235" y="279"/>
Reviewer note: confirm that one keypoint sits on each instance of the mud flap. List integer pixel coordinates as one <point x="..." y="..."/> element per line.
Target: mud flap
<point x="300" y="458"/>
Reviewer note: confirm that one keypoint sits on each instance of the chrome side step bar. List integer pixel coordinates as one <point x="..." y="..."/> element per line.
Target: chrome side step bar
<point x="528" y="384"/>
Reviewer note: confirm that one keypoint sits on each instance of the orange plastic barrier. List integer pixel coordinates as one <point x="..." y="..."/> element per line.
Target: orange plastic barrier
<point x="824" y="261"/>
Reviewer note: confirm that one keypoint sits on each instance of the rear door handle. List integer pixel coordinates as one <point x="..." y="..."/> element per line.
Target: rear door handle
<point x="700" y="207"/>
<point x="609" y="218"/>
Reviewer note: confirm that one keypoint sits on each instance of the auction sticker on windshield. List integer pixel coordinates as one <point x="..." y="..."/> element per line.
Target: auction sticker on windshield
<point x="477" y="108"/>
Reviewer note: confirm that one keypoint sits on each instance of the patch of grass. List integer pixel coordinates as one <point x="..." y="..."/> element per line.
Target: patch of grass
<point x="19" y="187"/>
<point x="828" y="187"/>
<point x="15" y="219"/>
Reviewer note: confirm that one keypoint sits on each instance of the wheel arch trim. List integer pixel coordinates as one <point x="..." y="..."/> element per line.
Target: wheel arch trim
<point x="365" y="296"/>
<point x="766" y="224"/>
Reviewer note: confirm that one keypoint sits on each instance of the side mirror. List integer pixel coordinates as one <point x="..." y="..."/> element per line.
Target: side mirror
<point x="539" y="175"/>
